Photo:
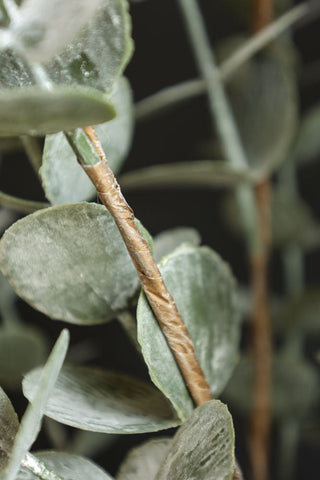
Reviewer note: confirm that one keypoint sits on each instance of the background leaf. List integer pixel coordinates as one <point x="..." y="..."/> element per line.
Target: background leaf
<point x="88" y="274"/>
<point x="143" y="462"/>
<point x="204" y="291"/>
<point x="63" y="179"/>
<point x="263" y="95"/>
<point x="307" y="144"/>
<point x="291" y="377"/>
<point x="21" y="349"/>
<point x="9" y="425"/>
<point x="102" y="401"/>
<point x="167" y="241"/>
<point x="71" y="467"/>
<point x="203" y="447"/>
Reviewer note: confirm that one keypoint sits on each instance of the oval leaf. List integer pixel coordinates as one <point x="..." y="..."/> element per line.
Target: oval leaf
<point x="204" y="291"/>
<point x="263" y="95"/>
<point x="63" y="179"/>
<point x="21" y="349"/>
<point x="144" y="461"/>
<point x="9" y="425"/>
<point x="103" y="401"/>
<point x="200" y="173"/>
<point x="167" y="241"/>
<point x="36" y="111"/>
<point x="203" y="447"/>
<point x="290" y="377"/>
<point x="71" y="467"/>
<point x="307" y="145"/>
<point x="70" y="262"/>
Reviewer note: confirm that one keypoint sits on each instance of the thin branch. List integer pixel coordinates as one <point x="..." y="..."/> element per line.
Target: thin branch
<point x="261" y="14"/>
<point x="153" y="285"/>
<point x="20" y="204"/>
<point x="171" y="96"/>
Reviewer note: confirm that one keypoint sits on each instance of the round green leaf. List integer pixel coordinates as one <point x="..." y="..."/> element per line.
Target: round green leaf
<point x="70" y="262"/>
<point x="143" y="462"/>
<point x="203" y="447"/>
<point x="63" y="179"/>
<point x="263" y="95"/>
<point x="102" y="401"/>
<point x="300" y="314"/>
<point x="9" y="425"/>
<point x="37" y="111"/>
<point x="204" y="291"/>
<point x="167" y="241"/>
<point x="21" y="349"/>
<point x="71" y="467"/>
<point x="295" y="387"/>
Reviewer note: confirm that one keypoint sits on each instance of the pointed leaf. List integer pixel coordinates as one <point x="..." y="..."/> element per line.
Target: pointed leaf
<point x="102" y="401"/>
<point x="204" y="291"/>
<point x="31" y="420"/>
<point x="70" y="262"/>
<point x="71" y="467"/>
<point x="263" y="95"/>
<point x="21" y="349"/>
<point x="144" y="461"/>
<point x="9" y="425"/>
<point x="209" y="173"/>
<point x="63" y="179"/>
<point x="203" y="447"/>
<point x="167" y="241"/>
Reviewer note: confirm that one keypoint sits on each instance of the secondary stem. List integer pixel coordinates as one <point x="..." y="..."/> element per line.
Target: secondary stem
<point x="262" y="14"/>
<point x="151" y="280"/>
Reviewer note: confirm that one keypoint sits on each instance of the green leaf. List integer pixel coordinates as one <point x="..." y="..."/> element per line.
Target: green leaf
<point x="167" y="241"/>
<point x="21" y="349"/>
<point x="70" y="262"/>
<point x="201" y="173"/>
<point x="307" y="144"/>
<point x="63" y="179"/>
<point x="79" y="78"/>
<point x="31" y="420"/>
<point x="144" y="461"/>
<point x="300" y="314"/>
<point x="37" y="111"/>
<point x="291" y="377"/>
<point x="103" y="401"/>
<point x="9" y="425"/>
<point x="263" y="95"/>
<point x="69" y="467"/>
<point x="204" y="291"/>
<point x="42" y="29"/>
<point x="203" y="447"/>
<point x="299" y="228"/>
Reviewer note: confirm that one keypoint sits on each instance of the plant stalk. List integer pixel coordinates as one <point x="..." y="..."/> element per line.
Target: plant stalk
<point x="151" y="280"/>
<point x="261" y="14"/>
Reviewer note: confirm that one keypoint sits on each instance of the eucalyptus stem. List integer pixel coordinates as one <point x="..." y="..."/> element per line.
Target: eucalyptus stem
<point x="38" y="468"/>
<point x="159" y="298"/>
<point x="262" y="14"/>
<point x="171" y="96"/>
<point x="221" y="115"/>
<point x="20" y="204"/>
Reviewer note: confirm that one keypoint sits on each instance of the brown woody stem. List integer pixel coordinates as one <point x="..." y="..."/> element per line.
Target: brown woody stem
<point x="153" y="285"/>
<point x="262" y="14"/>
<point x="261" y="345"/>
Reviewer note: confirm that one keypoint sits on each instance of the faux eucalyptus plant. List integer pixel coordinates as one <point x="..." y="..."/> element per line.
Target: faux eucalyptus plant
<point x="83" y="258"/>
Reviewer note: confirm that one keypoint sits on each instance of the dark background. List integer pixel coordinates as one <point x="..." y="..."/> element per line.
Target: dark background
<point x="162" y="57"/>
